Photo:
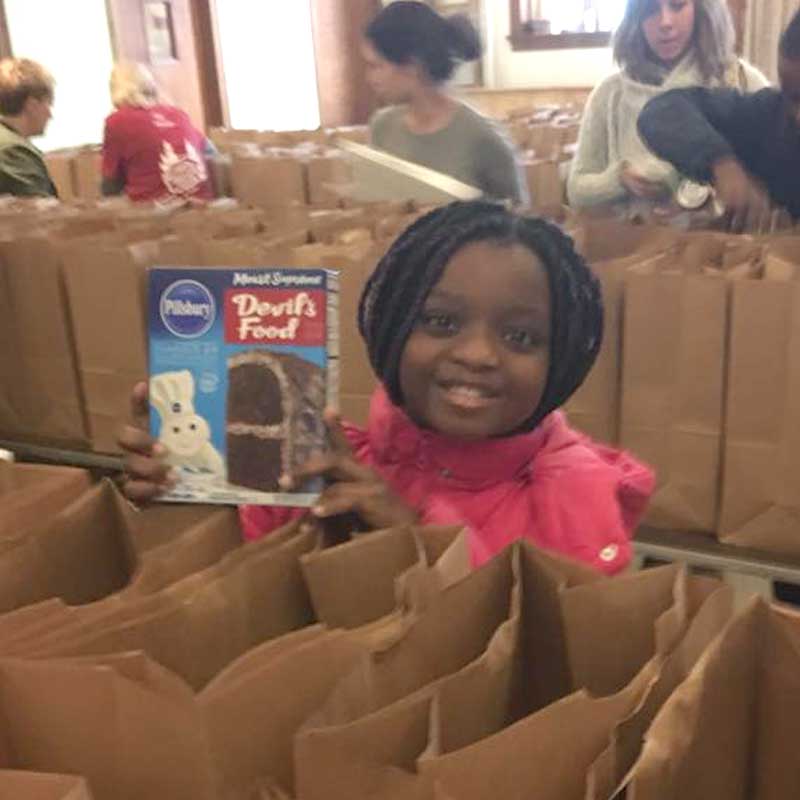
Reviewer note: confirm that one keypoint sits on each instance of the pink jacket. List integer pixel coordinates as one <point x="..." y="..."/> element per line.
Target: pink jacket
<point x="553" y="486"/>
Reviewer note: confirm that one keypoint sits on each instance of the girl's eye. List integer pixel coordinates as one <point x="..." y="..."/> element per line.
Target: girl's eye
<point x="438" y="322"/>
<point x="521" y="338"/>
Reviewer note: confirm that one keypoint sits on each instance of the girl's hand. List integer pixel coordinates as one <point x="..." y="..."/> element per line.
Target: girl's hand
<point x="147" y="475"/>
<point x="639" y="186"/>
<point x="353" y="487"/>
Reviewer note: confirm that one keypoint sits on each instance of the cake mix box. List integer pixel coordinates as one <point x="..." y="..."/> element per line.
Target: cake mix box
<point x="242" y="364"/>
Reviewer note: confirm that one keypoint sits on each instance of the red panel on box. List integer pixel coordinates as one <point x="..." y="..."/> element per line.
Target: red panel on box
<point x="271" y="316"/>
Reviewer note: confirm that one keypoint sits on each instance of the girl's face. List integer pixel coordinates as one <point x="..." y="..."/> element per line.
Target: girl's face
<point x="476" y="364"/>
<point x="668" y="28"/>
<point x="392" y="83"/>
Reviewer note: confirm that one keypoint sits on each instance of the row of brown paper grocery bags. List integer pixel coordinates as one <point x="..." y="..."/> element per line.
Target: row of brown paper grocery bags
<point x="383" y="667"/>
<point x="72" y="297"/>
<point x="700" y="375"/>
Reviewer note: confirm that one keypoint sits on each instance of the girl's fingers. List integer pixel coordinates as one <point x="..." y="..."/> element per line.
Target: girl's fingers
<point x="342" y="498"/>
<point x="337" y="439"/>
<point x="141" y="492"/>
<point x="332" y="466"/>
<point x="140" y="405"/>
<point x="135" y="440"/>
<point x="145" y="468"/>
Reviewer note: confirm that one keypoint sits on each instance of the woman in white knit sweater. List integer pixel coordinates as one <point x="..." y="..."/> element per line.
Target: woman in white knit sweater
<point x="660" y="45"/>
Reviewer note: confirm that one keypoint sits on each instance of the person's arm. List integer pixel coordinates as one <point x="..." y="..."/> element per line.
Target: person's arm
<point x="113" y="180"/>
<point x="23" y="173"/>
<point x="594" y="179"/>
<point x="713" y="135"/>
<point x="695" y="128"/>
<point x="499" y="171"/>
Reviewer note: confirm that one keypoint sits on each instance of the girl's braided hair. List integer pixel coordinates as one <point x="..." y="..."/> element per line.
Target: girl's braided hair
<point x="396" y="292"/>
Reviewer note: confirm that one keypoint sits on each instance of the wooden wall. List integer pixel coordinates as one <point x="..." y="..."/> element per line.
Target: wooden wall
<point x="344" y="96"/>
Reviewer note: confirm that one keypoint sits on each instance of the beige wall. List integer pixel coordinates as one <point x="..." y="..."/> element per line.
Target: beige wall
<point x="504" y="69"/>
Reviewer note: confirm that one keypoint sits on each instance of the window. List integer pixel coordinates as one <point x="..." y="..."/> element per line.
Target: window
<point x="561" y="24"/>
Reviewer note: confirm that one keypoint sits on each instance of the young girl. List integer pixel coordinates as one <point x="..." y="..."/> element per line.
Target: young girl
<point x="480" y="324"/>
<point x="410" y="53"/>
<point x="660" y="45"/>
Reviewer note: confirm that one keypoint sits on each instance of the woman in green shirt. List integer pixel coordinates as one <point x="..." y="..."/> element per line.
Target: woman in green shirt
<point x="26" y="99"/>
<point x="411" y="52"/>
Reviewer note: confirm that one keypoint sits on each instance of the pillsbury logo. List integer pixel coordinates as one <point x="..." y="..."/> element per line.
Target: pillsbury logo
<point x="187" y="309"/>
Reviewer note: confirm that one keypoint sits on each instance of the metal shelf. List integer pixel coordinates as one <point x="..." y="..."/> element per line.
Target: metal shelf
<point x="56" y="455"/>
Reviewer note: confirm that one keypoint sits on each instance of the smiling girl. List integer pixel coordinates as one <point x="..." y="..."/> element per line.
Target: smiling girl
<point x="480" y="324"/>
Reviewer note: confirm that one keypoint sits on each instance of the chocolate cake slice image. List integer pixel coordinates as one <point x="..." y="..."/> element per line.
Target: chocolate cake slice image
<point x="274" y="416"/>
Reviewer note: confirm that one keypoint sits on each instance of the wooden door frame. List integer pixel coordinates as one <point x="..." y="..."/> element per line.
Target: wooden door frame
<point x="209" y="63"/>
<point x="5" y="36"/>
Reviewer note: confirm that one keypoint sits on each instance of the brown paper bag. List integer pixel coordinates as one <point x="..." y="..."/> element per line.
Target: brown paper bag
<point x="161" y="523"/>
<point x="258" y="657"/>
<point x="196" y="548"/>
<point x="711" y="608"/>
<point x="451" y="633"/>
<point x="47" y="395"/>
<point x="560" y="750"/>
<point x="252" y="251"/>
<point x="30" y="493"/>
<point x="12" y="424"/>
<point x="401" y="749"/>
<point x="106" y="283"/>
<point x="325" y="171"/>
<point x="368" y="567"/>
<point x="42" y="786"/>
<point x="88" y="166"/>
<point x="374" y="756"/>
<point x="252" y="718"/>
<point x="355" y="264"/>
<point x="544" y="183"/>
<point x="393" y="569"/>
<point x="83" y="553"/>
<point x="729" y="731"/>
<point x="545" y="755"/>
<point x="672" y="392"/>
<point x="61" y="166"/>
<point x="124" y="723"/>
<point x="267" y="180"/>
<point x="612" y="249"/>
<point x="206" y="621"/>
<point x="760" y="493"/>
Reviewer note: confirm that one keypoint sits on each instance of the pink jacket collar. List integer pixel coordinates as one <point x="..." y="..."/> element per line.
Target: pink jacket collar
<point x="395" y="439"/>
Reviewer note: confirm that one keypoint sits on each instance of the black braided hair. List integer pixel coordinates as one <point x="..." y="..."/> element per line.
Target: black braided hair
<point x="396" y="292"/>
